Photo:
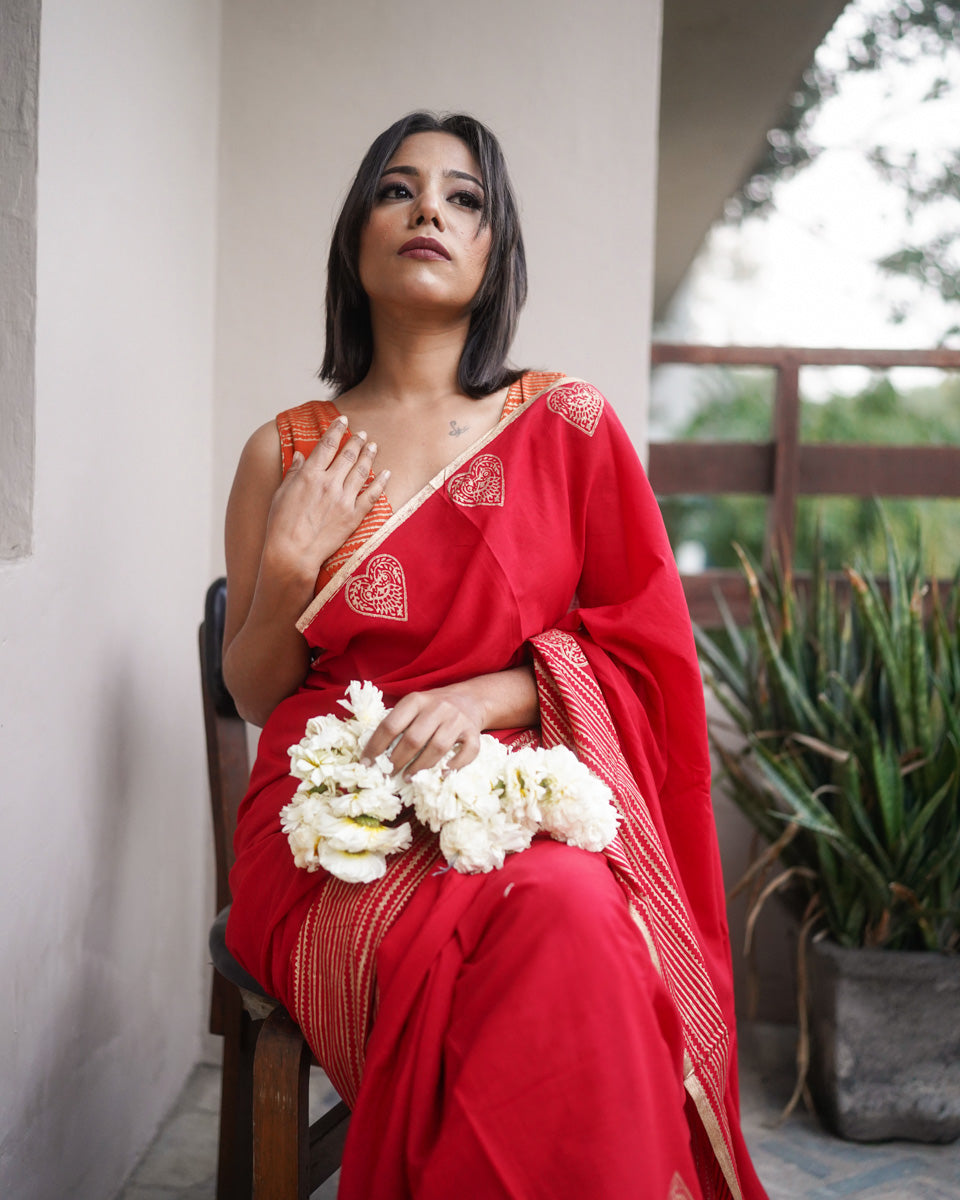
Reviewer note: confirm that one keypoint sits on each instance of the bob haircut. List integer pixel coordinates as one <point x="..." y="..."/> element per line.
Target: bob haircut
<point x="495" y="308"/>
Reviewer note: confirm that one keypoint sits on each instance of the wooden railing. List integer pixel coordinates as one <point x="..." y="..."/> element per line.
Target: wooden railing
<point x="784" y="468"/>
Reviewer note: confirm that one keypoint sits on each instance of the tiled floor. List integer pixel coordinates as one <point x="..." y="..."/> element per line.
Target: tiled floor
<point x="799" y="1161"/>
<point x="181" y="1163"/>
<point x="796" y="1161"/>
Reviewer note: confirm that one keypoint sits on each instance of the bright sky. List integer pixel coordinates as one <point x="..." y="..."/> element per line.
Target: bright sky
<point x="805" y="275"/>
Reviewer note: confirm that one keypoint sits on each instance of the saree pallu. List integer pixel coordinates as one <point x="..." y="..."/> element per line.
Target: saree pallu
<point x="541" y="543"/>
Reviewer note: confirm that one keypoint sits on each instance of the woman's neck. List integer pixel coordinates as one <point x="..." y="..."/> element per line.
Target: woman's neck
<point x="414" y="362"/>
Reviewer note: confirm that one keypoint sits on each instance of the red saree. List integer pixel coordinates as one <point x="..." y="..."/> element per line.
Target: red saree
<point x="564" y="1026"/>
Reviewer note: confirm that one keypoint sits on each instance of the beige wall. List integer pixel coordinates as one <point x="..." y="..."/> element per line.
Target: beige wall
<point x="570" y="89"/>
<point x="103" y="826"/>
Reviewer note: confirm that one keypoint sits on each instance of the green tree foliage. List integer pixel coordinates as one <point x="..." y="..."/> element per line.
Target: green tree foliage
<point x="899" y="33"/>
<point x="740" y="410"/>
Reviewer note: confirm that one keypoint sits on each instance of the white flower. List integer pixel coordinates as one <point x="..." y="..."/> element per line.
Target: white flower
<point x="473" y="846"/>
<point x="357" y="777"/>
<point x="355" y="835"/>
<point x="577" y="806"/>
<point x="303" y="843"/>
<point x="302" y="810"/>
<point x="523" y="789"/>
<point x="430" y="799"/>
<point x="330" y="732"/>
<point x="578" y="824"/>
<point x="379" y="803"/>
<point x="326" y="742"/>
<point x="352" y="868"/>
<point x="439" y="795"/>
<point x="365" y="701"/>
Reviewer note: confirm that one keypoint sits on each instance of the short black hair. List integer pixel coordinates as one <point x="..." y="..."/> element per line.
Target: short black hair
<point x="496" y="307"/>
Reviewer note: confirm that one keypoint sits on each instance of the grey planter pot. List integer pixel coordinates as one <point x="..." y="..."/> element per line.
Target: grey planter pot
<point x="885" y="1032"/>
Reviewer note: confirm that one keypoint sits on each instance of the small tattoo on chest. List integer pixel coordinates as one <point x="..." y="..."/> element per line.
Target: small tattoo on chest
<point x="456" y="430"/>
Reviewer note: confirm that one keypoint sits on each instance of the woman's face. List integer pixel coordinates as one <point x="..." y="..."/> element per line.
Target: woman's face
<point x="422" y="246"/>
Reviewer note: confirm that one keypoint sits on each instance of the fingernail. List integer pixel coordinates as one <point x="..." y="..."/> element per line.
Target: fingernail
<point x="385" y="476"/>
<point x="372" y="447"/>
<point x="361" y="433"/>
<point x="340" y="420"/>
<point x="297" y="459"/>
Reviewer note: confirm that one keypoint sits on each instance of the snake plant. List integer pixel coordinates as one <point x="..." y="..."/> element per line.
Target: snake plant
<point x="846" y="695"/>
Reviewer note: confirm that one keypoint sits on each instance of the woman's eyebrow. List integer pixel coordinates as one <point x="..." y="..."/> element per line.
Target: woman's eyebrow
<point x="403" y="170"/>
<point x="463" y="175"/>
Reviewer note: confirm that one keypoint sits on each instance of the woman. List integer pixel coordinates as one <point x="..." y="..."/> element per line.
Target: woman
<point x="482" y="544"/>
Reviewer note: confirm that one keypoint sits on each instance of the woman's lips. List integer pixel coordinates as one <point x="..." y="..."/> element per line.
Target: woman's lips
<point x="421" y="247"/>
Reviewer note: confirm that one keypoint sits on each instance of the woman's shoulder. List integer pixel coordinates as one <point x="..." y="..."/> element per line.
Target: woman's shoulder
<point x="302" y="427"/>
<point x="575" y="401"/>
<point x="307" y="420"/>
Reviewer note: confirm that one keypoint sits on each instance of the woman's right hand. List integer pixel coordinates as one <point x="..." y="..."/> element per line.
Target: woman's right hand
<point x="319" y="503"/>
<point x="279" y="532"/>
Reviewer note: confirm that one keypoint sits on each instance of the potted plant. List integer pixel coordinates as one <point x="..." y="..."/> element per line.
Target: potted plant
<point x="845" y="693"/>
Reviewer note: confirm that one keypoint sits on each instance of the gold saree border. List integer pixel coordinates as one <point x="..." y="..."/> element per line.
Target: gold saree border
<point x="716" y="1135"/>
<point x="334" y="960"/>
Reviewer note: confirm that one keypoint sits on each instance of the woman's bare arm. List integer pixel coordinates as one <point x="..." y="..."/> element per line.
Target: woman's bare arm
<point x="279" y="532"/>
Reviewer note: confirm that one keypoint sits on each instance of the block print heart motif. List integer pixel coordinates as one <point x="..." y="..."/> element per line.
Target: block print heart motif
<point x="481" y="483"/>
<point x="381" y="591"/>
<point x="678" y="1189"/>
<point x="579" y="404"/>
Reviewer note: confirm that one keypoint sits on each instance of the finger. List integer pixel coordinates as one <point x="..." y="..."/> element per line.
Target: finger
<point x="325" y="451"/>
<point x="290" y="474"/>
<point x="425" y="743"/>
<point x="368" y="492"/>
<point x="368" y="497"/>
<point x="467" y="750"/>
<point x="348" y="457"/>
<point x="363" y="466"/>
<point x="413" y="735"/>
<point x="390" y="728"/>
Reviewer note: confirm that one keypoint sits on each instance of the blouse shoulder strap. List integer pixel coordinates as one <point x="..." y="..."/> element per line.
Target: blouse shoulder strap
<point x="302" y="427"/>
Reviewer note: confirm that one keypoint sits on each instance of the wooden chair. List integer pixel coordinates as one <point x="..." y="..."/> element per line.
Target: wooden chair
<point x="268" y="1150"/>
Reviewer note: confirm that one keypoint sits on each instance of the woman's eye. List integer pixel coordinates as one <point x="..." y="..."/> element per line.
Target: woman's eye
<point x="467" y="200"/>
<point x="394" y="191"/>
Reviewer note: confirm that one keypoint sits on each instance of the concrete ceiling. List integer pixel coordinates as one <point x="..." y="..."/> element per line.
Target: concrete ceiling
<point x="728" y="70"/>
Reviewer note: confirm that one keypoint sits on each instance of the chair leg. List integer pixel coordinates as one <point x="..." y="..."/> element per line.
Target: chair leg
<point x="327" y="1138"/>
<point x="235" y="1151"/>
<point x="281" y="1071"/>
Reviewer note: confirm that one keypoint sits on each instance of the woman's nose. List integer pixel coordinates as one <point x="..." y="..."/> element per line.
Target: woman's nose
<point x="428" y="210"/>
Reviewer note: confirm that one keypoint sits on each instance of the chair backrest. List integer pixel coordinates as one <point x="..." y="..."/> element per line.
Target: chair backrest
<point x="228" y="762"/>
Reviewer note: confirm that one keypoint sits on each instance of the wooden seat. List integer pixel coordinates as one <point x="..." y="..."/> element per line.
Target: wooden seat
<point x="267" y="1149"/>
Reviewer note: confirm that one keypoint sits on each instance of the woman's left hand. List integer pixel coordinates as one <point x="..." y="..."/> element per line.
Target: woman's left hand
<point x="429" y="724"/>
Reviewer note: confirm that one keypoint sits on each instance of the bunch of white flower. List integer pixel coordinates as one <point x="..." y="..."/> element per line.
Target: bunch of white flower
<point x="495" y="805"/>
<point x="484" y="811"/>
<point x="337" y="818"/>
<point x="466" y="807"/>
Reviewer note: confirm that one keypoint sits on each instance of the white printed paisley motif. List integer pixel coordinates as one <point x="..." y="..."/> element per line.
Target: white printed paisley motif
<point x="481" y="483"/>
<point x="565" y="644"/>
<point x="579" y="404"/>
<point x="381" y="591"/>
